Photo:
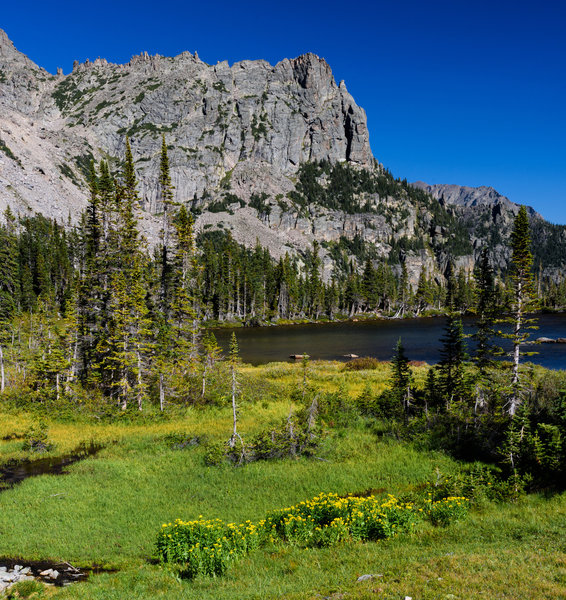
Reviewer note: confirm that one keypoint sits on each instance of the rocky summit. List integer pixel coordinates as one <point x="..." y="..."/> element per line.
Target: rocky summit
<point x="278" y="154"/>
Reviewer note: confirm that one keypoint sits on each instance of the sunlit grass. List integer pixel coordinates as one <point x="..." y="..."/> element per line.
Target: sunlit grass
<point x="108" y="508"/>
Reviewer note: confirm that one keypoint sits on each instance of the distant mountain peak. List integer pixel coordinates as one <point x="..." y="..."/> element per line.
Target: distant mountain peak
<point x="468" y="196"/>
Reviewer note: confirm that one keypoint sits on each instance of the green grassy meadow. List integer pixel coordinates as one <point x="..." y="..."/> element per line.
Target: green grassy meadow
<point x="108" y="509"/>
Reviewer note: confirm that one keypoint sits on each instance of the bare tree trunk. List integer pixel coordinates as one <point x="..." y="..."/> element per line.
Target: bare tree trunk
<point x="234" y="412"/>
<point x="204" y="371"/>
<point x="73" y="369"/>
<point x="140" y="383"/>
<point x="291" y="430"/>
<point x="514" y="401"/>
<point x="2" y="377"/>
<point x="194" y="339"/>
<point x="124" y="390"/>
<point x="161" y="393"/>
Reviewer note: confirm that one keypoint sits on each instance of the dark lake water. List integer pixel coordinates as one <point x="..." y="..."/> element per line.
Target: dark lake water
<point x="331" y="341"/>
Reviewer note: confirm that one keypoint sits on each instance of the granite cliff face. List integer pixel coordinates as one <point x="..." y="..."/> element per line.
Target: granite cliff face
<point x="215" y="118"/>
<point x="244" y="128"/>
<point x="238" y="138"/>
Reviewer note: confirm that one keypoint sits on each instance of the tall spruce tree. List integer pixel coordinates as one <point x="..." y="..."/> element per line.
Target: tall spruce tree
<point x="486" y="311"/>
<point x="524" y="298"/>
<point x="9" y="287"/>
<point x="451" y="381"/>
<point x="167" y="200"/>
<point x="127" y="346"/>
<point x="401" y="378"/>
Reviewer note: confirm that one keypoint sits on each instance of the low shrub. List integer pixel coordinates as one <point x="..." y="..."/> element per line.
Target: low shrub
<point x="215" y="454"/>
<point x="37" y="439"/>
<point x="26" y="589"/>
<point x="448" y="510"/>
<point x="337" y="409"/>
<point x="385" y="405"/>
<point x="363" y="363"/>
<point x="478" y="483"/>
<point x="182" y="440"/>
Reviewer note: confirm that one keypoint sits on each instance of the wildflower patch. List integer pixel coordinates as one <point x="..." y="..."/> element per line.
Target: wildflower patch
<point x="328" y="519"/>
<point x="209" y="547"/>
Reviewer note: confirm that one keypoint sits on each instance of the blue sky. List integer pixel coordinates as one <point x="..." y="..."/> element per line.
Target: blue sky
<point x="472" y="93"/>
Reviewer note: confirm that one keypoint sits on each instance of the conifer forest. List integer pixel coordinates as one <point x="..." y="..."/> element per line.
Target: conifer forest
<point x="101" y="331"/>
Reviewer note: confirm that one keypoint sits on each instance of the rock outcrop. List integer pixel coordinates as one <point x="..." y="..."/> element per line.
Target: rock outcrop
<point x="218" y="120"/>
<point x="489" y="217"/>
<point x="234" y="133"/>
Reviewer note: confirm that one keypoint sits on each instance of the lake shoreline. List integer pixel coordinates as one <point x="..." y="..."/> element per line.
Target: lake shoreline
<point x="358" y="318"/>
<point x="421" y="338"/>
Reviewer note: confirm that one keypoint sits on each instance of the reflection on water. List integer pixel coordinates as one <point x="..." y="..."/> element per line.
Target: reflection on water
<point x="331" y="341"/>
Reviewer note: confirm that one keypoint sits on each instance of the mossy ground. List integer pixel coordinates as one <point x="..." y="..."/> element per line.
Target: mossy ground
<point x="108" y="509"/>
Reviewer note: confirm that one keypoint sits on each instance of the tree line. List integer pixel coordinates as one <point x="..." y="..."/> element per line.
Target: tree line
<point x="91" y="308"/>
<point x="480" y="407"/>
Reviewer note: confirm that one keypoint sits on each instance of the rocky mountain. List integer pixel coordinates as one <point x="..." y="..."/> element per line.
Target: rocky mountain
<point x="278" y="154"/>
<point x="488" y="217"/>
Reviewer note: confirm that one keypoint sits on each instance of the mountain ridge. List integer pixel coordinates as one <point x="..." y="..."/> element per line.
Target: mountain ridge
<point x="240" y="141"/>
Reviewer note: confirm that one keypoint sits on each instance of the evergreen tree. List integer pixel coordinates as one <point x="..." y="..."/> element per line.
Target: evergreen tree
<point x="524" y="297"/>
<point x="166" y="192"/>
<point x="431" y="393"/>
<point x="9" y="277"/>
<point x="315" y="285"/>
<point x="352" y="296"/>
<point x="9" y="287"/>
<point x="486" y="311"/>
<point x="423" y="293"/>
<point x="127" y="346"/>
<point x="451" y="380"/>
<point x="401" y="378"/>
<point x="404" y="289"/>
<point x="369" y="285"/>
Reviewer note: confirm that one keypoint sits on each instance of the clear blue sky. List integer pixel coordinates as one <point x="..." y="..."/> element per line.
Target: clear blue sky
<point x="472" y="93"/>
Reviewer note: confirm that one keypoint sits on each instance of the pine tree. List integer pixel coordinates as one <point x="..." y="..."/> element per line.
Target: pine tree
<point x="422" y="295"/>
<point x="369" y="285"/>
<point x="431" y="394"/>
<point x="451" y="378"/>
<point x="404" y="289"/>
<point x="166" y="192"/>
<point x="401" y="378"/>
<point x="9" y="279"/>
<point x="49" y="363"/>
<point x="93" y="226"/>
<point x="71" y="337"/>
<point x="127" y="346"/>
<point x="211" y="355"/>
<point x="9" y="287"/>
<point x="89" y="292"/>
<point x="352" y="296"/>
<point x="185" y="301"/>
<point x="315" y="285"/>
<point x="524" y="297"/>
<point x="486" y="310"/>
